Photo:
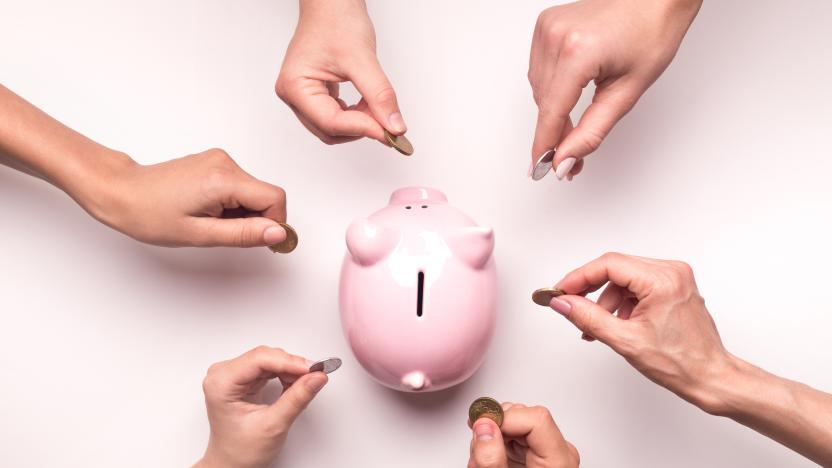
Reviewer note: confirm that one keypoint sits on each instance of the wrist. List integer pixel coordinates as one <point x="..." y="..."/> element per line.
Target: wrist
<point x="99" y="185"/>
<point x="739" y="388"/>
<point x="330" y="7"/>
<point x="219" y="457"/>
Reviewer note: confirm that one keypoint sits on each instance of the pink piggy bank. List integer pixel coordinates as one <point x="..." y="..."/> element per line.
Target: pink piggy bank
<point x="418" y="292"/>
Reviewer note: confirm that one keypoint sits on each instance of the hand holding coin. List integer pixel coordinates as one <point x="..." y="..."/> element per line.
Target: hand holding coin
<point x="245" y="432"/>
<point x="400" y="143"/>
<point x="527" y="436"/>
<point x="334" y="42"/>
<point x="289" y="243"/>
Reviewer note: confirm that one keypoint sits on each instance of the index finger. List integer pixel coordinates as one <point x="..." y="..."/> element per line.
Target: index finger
<point x="537" y="426"/>
<point x="267" y="362"/>
<point x="311" y="99"/>
<point x="560" y="95"/>
<point x="623" y="270"/>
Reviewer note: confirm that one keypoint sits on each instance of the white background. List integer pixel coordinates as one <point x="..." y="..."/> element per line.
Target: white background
<point x="104" y="342"/>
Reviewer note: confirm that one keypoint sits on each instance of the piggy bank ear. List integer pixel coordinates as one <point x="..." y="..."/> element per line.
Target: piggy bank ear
<point x="368" y="242"/>
<point x="472" y="245"/>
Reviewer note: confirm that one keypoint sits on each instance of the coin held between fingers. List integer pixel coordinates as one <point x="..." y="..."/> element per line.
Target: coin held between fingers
<point x="289" y="244"/>
<point x="543" y="296"/>
<point x="326" y="366"/>
<point x="486" y="407"/>
<point x="399" y="142"/>
<point x="543" y="165"/>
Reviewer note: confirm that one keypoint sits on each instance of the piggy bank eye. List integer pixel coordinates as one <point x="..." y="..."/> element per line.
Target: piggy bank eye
<point x="408" y="207"/>
<point x="424" y="206"/>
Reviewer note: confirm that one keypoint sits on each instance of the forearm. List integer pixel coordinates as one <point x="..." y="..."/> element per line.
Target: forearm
<point x="789" y="412"/>
<point x="35" y="143"/>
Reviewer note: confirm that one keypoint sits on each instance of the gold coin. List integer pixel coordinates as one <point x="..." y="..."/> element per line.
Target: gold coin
<point x="400" y="142"/>
<point x="289" y="243"/>
<point x="543" y="295"/>
<point x="485" y="407"/>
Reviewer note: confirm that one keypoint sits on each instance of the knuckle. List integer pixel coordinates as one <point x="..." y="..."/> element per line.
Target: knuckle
<point x="279" y="193"/>
<point x="260" y="351"/>
<point x="487" y="458"/>
<point x="209" y="382"/>
<point x="282" y="87"/>
<point x="385" y="95"/>
<point x="218" y="156"/>
<point x="554" y="30"/>
<point x="684" y="270"/>
<point x="574" y="455"/>
<point x="612" y="256"/>
<point x="591" y="140"/>
<point x="575" y="43"/>
<point x="541" y="414"/>
<point x="216" y="182"/>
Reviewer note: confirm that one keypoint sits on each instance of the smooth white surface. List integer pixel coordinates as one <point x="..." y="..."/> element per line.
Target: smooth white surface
<point x="104" y="342"/>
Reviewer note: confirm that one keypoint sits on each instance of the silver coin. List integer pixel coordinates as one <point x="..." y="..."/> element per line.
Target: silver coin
<point x="326" y="366"/>
<point x="543" y="165"/>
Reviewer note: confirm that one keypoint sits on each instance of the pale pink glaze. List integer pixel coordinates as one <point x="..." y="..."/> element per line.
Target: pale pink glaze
<point x="379" y="289"/>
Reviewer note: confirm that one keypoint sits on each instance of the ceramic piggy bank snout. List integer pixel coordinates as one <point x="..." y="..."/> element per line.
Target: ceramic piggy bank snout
<point x="418" y="292"/>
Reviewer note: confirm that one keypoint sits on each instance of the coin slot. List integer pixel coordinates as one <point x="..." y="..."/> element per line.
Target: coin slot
<point x="420" y="293"/>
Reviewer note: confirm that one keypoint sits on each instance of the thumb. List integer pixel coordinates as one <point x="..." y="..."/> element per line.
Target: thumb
<point x="590" y="318"/>
<point x="608" y="106"/>
<point x="237" y="232"/>
<point x="487" y="448"/>
<point x="375" y="88"/>
<point x="296" y="397"/>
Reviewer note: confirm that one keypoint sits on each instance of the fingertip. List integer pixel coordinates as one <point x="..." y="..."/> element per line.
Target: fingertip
<point x="559" y="305"/>
<point x="274" y="235"/>
<point x="396" y="123"/>
<point x="315" y="381"/>
<point x="485" y="429"/>
<point x="564" y="167"/>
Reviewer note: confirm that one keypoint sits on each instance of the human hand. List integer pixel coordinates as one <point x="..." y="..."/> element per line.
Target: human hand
<point x="662" y="327"/>
<point x="335" y="42"/>
<point x="621" y="45"/>
<point x="528" y="437"/>
<point x="205" y="199"/>
<point x="244" y="432"/>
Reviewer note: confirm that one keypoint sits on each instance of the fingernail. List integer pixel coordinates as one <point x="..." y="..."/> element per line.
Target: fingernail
<point x="562" y="307"/>
<point x="531" y="168"/>
<point x="308" y="362"/>
<point x="396" y="123"/>
<point x="564" y="167"/>
<point x="274" y="235"/>
<point x="484" y="430"/>
<point x="316" y="382"/>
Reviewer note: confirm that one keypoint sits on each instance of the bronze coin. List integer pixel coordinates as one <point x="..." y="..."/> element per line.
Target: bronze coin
<point x="289" y="244"/>
<point x="399" y="142"/>
<point x="485" y="407"/>
<point x="544" y="295"/>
